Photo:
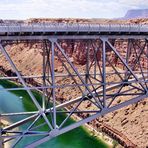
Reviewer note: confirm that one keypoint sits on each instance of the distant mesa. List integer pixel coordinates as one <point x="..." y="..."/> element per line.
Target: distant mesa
<point x="136" y="13"/>
<point x="1" y="21"/>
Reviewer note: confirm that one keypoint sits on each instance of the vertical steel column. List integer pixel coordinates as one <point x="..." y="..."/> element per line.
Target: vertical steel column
<point x="53" y="82"/>
<point x="104" y="71"/>
<point x="44" y="78"/>
<point x="95" y="64"/>
<point x="87" y="65"/>
<point x="127" y="58"/>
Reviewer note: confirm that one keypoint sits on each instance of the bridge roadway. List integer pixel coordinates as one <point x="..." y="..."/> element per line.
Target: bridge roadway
<point x="44" y="29"/>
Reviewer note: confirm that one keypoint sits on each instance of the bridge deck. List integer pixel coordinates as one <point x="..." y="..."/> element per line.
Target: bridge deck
<point x="71" y="29"/>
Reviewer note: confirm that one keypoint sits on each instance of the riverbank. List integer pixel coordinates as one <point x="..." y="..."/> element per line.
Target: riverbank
<point x="3" y="122"/>
<point x="95" y="133"/>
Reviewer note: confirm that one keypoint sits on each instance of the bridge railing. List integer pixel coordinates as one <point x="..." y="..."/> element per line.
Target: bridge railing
<point x="69" y="27"/>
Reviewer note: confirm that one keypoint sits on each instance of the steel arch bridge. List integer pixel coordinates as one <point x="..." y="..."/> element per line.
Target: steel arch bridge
<point x="93" y="81"/>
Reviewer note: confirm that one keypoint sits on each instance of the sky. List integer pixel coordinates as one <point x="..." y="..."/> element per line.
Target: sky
<point x="24" y="9"/>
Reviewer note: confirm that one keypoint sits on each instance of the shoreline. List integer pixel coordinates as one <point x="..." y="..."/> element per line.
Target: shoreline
<point x="4" y="121"/>
<point x="100" y="135"/>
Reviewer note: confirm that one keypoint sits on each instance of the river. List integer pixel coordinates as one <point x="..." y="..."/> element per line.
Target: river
<point x="17" y="101"/>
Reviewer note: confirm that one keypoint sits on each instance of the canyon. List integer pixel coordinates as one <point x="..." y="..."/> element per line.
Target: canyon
<point x="131" y="121"/>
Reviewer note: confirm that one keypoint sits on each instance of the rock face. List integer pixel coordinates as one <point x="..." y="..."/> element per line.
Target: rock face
<point x="137" y="13"/>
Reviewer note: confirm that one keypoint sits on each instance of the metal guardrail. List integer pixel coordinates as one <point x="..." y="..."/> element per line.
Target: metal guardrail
<point x="69" y="27"/>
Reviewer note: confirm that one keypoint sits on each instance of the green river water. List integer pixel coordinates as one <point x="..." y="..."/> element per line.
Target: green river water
<point x="10" y="101"/>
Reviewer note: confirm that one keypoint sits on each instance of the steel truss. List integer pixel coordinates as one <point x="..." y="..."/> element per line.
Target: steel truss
<point x="93" y="83"/>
